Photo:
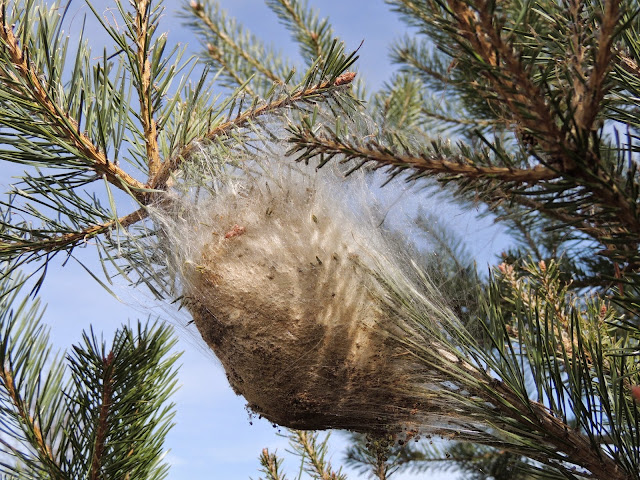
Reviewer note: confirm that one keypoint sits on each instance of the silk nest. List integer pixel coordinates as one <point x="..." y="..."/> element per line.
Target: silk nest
<point x="289" y="276"/>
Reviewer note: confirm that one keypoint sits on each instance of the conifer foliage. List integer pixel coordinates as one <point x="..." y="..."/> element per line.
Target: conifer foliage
<point x="526" y="107"/>
<point x="84" y="415"/>
<point x="92" y="132"/>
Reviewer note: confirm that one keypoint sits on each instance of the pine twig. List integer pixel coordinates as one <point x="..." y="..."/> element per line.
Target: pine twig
<point x="590" y="105"/>
<point x="68" y="240"/>
<point x="144" y="87"/>
<point x="102" y="428"/>
<point x="526" y="94"/>
<point x="515" y="87"/>
<point x="322" y="469"/>
<point x="43" y="448"/>
<point x="459" y="121"/>
<point x="600" y="233"/>
<point x="477" y="24"/>
<point x="313" y="145"/>
<point x="270" y="465"/>
<point x="198" y="10"/>
<point x="66" y="126"/>
<point x="312" y="34"/>
<point x="306" y="94"/>
<point x="215" y="53"/>
<point x="406" y="55"/>
<point x="578" y="448"/>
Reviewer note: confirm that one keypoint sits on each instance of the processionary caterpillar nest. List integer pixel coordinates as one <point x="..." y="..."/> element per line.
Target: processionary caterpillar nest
<point x="280" y="273"/>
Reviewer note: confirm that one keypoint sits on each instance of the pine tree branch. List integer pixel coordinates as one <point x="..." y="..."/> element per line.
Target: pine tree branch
<point x="104" y="416"/>
<point x="217" y="55"/>
<point x="563" y="427"/>
<point x="307" y="36"/>
<point x="553" y="296"/>
<point x="315" y="456"/>
<point x="405" y="113"/>
<point x="610" y="192"/>
<point x="71" y="240"/>
<point x="568" y="350"/>
<point x="589" y="107"/>
<point x="303" y="95"/>
<point x="102" y="422"/>
<point x="579" y="449"/>
<point x="312" y="34"/>
<point x="460" y="121"/>
<point x="522" y="95"/>
<point x="379" y="449"/>
<point x="579" y="49"/>
<point x="407" y="53"/>
<point x="44" y="450"/>
<point x="514" y="85"/>
<point x="519" y="420"/>
<point x="270" y="465"/>
<point x="303" y="438"/>
<point x="198" y="10"/>
<point x="144" y="86"/>
<point x="64" y="125"/>
<point x="311" y="145"/>
<point x="118" y="412"/>
<point x="558" y="214"/>
<point x="399" y="105"/>
<point x="416" y="10"/>
<point x="586" y="223"/>
<point x="564" y="144"/>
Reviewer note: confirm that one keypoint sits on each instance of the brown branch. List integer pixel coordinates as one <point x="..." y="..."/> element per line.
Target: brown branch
<point x="610" y="192"/>
<point x="550" y="138"/>
<point x="144" y="86"/>
<point x="102" y="427"/>
<point x="577" y="447"/>
<point x="161" y="178"/>
<point x="509" y="77"/>
<point x="23" y="412"/>
<point x="527" y="101"/>
<point x="590" y="106"/>
<point x="471" y="29"/>
<point x="429" y="165"/>
<point x="64" y="125"/>
<point x="72" y="239"/>
<point x="576" y="59"/>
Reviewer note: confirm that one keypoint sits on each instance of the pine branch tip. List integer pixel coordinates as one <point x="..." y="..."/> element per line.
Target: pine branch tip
<point x="196" y="6"/>
<point x="344" y="79"/>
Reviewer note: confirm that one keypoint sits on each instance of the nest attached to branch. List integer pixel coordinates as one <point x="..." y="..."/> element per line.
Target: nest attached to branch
<point x="281" y="272"/>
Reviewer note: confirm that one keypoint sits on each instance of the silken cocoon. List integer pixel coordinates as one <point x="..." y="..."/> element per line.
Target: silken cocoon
<point x="281" y="271"/>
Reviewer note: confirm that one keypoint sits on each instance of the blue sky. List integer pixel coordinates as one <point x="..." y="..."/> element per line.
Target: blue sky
<point x="213" y="437"/>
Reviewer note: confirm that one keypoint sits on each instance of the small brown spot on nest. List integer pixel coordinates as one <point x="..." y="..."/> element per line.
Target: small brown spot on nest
<point x="236" y="231"/>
